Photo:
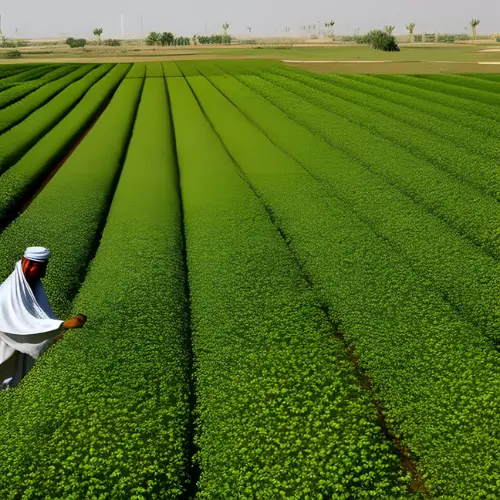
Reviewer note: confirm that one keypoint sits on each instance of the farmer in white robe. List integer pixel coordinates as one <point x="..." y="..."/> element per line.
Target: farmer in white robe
<point x="27" y="324"/>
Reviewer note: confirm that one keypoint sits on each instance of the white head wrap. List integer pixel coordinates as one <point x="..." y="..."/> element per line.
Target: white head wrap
<point x="37" y="254"/>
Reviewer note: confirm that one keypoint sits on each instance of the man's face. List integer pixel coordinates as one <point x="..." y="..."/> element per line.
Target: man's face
<point x="34" y="270"/>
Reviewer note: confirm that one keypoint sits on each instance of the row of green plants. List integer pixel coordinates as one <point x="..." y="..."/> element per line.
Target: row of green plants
<point x="26" y="175"/>
<point x="280" y="412"/>
<point x="416" y="161"/>
<point x="436" y="376"/>
<point x="116" y="394"/>
<point x="76" y="199"/>
<point x="25" y="74"/>
<point x="469" y="82"/>
<point x="442" y="106"/>
<point x="442" y="121"/>
<point x="20" y="138"/>
<point x="22" y="89"/>
<point x="457" y="269"/>
<point x="17" y="112"/>
<point x="465" y="99"/>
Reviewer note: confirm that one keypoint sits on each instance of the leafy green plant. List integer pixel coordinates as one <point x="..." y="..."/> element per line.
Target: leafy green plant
<point x="19" y="139"/>
<point x="271" y="380"/>
<point x="417" y="350"/>
<point x="23" y="88"/>
<point x="18" y="111"/>
<point x="116" y="393"/>
<point x="112" y="42"/>
<point x="23" y="177"/>
<point x="75" y="43"/>
<point x="382" y="40"/>
<point x="94" y="169"/>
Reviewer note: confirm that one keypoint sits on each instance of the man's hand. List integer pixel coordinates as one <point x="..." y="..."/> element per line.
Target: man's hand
<point x="77" y="322"/>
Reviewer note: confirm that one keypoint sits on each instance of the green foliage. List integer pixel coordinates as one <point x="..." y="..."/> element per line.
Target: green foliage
<point x="75" y="43"/>
<point x="14" y="54"/>
<point x="17" y="141"/>
<point x="417" y="162"/>
<point x="215" y="40"/>
<point x="18" y="111"/>
<point x="26" y="174"/>
<point x="410" y="28"/>
<point x="480" y="104"/>
<point x="474" y="24"/>
<point x="76" y="199"/>
<point x="22" y="89"/>
<point x="115" y="395"/>
<point x="382" y="40"/>
<point x="153" y="38"/>
<point x="98" y="32"/>
<point x="112" y="42"/>
<point x="167" y="38"/>
<point x="422" y="356"/>
<point x="171" y="69"/>
<point x="138" y="71"/>
<point x="271" y="380"/>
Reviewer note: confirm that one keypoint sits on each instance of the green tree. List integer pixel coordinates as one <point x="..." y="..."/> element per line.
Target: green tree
<point x="474" y="23"/>
<point x="153" y="38"/>
<point x="411" y="28"/>
<point x="225" y="27"/>
<point x="167" y="38"/>
<point x="389" y="29"/>
<point x="98" y="33"/>
<point x="329" y="27"/>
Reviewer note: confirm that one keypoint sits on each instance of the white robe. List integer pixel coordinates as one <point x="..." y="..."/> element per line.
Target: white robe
<point x="27" y="326"/>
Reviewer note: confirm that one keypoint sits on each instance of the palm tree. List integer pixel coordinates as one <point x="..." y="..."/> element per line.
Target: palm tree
<point x="474" y="23"/>
<point x="329" y="26"/>
<point x="411" y="28"/>
<point x="225" y="27"/>
<point x="389" y="29"/>
<point x="98" y="33"/>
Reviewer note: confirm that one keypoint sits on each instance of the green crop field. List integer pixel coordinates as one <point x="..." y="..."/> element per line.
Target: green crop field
<point x="292" y="282"/>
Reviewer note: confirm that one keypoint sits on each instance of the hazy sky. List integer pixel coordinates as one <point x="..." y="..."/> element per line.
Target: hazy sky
<point x="52" y="18"/>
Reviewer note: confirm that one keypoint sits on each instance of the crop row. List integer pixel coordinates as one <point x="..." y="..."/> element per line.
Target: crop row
<point x="7" y="70"/>
<point x="448" y="111"/>
<point x="115" y="395"/>
<point x="138" y="70"/>
<point x="19" y="139"/>
<point x="457" y="269"/>
<point x="18" y="111"/>
<point x="28" y="73"/>
<point x="280" y="412"/>
<point x="437" y="377"/>
<point x="466" y="82"/>
<point x="443" y="93"/>
<point x="412" y="145"/>
<point x="17" y="92"/>
<point x="170" y="69"/>
<point x="67" y="215"/>
<point x="23" y="178"/>
<point x="429" y="129"/>
<point x="458" y="203"/>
